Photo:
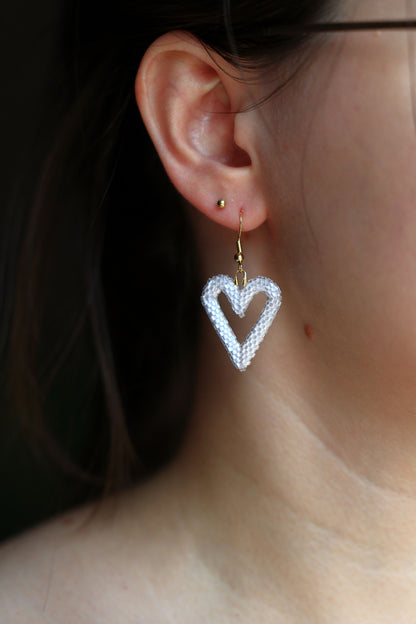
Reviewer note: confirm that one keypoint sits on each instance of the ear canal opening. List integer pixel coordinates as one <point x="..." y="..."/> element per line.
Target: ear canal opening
<point x="239" y="157"/>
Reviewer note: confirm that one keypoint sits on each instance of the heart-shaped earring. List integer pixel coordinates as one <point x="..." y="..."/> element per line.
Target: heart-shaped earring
<point x="240" y="297"/>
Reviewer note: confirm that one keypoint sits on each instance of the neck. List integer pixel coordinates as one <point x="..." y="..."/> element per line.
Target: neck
<point x="308" y="497"/>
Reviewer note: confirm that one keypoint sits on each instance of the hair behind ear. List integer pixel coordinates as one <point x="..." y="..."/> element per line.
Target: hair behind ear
<point x="106" y="227"/>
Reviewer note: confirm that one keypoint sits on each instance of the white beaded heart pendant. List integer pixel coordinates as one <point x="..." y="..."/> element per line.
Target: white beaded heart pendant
<point x="241" y="354"/>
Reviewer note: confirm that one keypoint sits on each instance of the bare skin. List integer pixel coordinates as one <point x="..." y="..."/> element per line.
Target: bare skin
<point x="293" y="498"/>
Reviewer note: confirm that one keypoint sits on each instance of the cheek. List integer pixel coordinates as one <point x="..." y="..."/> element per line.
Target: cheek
<point x="350" y="233"/>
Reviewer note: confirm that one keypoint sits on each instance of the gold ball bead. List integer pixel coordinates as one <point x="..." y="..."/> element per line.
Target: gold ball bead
<point x="239" y="257"/>
<point x="221" y="203"/>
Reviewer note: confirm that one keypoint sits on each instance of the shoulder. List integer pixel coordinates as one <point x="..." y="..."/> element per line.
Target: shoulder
<point x="32" y="565"/>
<point x="101" y="564"/>
<point x="73" y="569"/>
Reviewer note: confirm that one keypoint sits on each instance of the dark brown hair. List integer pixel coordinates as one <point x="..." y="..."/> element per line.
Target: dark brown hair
<point x="107" y="298"/>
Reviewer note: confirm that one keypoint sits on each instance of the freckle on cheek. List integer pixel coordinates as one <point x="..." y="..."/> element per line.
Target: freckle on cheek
<point x="309" y="332"/>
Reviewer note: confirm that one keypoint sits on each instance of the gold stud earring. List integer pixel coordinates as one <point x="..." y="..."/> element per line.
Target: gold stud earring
<point x="221" y="204"/>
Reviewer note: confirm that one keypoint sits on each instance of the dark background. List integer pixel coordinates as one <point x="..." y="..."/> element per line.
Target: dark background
<point x="32" y="94"/>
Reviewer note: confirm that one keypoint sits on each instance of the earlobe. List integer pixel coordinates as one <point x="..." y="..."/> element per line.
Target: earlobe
<point x="188" y="105"/>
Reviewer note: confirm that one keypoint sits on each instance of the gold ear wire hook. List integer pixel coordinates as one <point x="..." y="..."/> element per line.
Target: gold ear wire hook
<point x="239" y="257"/>
<point x="239" y="233"/>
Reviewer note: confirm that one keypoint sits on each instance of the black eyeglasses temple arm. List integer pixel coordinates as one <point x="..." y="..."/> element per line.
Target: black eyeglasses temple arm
<point x="343" y="26"/>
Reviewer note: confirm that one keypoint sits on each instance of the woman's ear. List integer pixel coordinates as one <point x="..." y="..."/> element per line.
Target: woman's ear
<point x="189" y="98"/>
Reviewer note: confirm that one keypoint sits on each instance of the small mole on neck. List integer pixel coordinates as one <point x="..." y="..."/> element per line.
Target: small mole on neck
<point x="309" y="332"/>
